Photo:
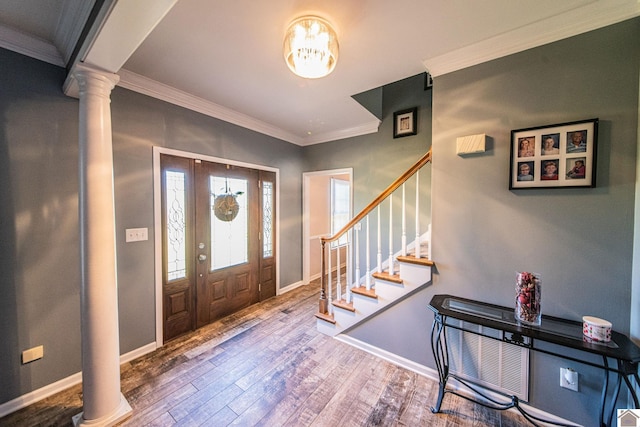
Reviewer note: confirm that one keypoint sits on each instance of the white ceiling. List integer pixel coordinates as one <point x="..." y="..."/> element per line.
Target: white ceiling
<point x="224" y="58"/>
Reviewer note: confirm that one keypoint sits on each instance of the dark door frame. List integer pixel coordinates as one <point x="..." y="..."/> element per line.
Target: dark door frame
<point x="157" y="227"/>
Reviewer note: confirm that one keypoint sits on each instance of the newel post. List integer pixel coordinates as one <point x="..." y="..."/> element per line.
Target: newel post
<point x="323" y="309"/>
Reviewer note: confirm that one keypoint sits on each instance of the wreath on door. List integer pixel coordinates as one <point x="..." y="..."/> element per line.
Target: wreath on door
<point x="226" y="206"/>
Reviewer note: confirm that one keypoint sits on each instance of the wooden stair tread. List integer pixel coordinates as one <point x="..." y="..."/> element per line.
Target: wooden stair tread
<point x="411" y="259"/>
<point x="362" y="290"/>
<point x="344" y="305"/>
<point x="326" y="317"/>
<point x="389" y="278"/>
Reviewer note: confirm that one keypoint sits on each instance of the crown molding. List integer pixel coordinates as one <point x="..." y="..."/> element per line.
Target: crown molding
<point x="72" y="20"/>
<point x="140" y="84"/>
<point x="364" y="129"/>
<point x="154" y="89"/>
<point x="32" y="47"/>
<point x="577" y="21"/>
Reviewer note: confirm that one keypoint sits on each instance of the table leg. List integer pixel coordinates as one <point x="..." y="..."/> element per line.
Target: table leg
<point x="441" y="358"/>
<point x="605" y="388"/>
<point x="616" y="393"/>
<point x="630" y="369"/>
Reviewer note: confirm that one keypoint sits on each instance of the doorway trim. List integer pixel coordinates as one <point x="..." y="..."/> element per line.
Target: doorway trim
<point x="306" y="199"/>
<point x="157" y="220"/>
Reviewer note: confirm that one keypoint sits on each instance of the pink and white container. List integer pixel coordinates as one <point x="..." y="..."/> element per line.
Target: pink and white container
<point x="596" y="329"/>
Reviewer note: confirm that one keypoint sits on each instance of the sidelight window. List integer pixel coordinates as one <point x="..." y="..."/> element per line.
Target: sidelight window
<point x="176" y="225"/>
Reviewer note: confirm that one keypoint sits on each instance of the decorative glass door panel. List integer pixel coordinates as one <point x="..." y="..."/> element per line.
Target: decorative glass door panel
<point x="175" y="197"/>
<point x="268" y="236"/>
<point x="267" y="219"/>
<point x="229" y="223"/>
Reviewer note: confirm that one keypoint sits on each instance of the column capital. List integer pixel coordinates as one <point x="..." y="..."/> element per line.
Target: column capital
<point x="80" y="74"/>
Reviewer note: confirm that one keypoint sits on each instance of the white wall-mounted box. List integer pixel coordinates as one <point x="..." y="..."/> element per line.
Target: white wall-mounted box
<point x="471" y="144"/>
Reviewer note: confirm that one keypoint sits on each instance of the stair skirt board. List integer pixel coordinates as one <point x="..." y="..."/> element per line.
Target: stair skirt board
<point x="452" y="384"/>
<point x="415" y="277"/>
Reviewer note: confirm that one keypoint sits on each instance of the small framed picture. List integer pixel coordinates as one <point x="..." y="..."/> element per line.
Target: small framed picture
<point x="405" y="122"/>
<point x="555" y="156"/>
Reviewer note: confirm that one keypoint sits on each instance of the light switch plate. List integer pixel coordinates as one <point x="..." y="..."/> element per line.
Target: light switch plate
<point x="137" y="234"/>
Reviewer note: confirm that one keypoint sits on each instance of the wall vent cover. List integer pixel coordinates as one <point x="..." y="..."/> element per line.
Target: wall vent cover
<point x="487" y="361"/>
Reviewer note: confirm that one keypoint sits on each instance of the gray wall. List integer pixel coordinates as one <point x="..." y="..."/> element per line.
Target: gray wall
<point x="578" y="240"/>
<point x="483" y="233"/>
<point x="378" y="159"/>
<point x="139" y="124"/>
<point x="39" y="233"/>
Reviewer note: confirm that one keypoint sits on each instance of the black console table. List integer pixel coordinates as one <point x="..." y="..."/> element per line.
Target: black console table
<point x="561" y="332"/>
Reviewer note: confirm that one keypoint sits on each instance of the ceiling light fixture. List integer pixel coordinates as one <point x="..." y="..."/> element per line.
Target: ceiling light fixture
<point x="311" y="47"/>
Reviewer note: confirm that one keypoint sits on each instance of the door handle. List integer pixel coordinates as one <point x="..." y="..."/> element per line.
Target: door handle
<point x="202" y="257"/>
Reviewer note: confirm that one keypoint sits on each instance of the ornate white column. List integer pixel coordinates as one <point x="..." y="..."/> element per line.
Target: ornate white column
<point x="103" y="402"/>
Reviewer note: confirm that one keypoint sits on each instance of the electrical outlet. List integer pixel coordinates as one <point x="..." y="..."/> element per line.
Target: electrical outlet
<point x="569" y="379"/>
<point x="32" y="354"/>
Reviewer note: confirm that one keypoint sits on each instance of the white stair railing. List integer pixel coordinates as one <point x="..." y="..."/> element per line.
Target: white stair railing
<point x="352" y="247"/>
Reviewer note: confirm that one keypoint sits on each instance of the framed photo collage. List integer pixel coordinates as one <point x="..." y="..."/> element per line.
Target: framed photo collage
<point x="556" y="156"/>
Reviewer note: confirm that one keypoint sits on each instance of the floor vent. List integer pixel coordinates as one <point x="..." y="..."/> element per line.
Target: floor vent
<point x="486" y="361"/>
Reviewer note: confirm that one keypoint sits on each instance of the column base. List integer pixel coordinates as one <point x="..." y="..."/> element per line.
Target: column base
<point x="122" y="412"/>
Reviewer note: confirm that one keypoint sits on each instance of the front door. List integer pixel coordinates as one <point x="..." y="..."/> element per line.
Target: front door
<point x="228" y="260"/>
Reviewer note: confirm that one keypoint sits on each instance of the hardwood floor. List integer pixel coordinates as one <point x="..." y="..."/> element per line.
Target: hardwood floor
<point x="268" y="366"/>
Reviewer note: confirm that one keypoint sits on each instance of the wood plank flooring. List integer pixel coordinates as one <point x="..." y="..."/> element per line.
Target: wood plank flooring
<point x="268" y="366"/>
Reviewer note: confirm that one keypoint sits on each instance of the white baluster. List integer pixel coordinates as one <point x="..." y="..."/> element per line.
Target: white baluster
<point x="338" y="275"/>
<point x="391" y="266"/>
<point x="330" y="285"/>
<point x="379" y="242"/>
<point x="404" y="224"/>
<point x="347" y="277"/>
<point x="356" y="247"/>
<point x="418" y="214"/>
<point x="429" y="241"/>
<point x="368" y="257"/>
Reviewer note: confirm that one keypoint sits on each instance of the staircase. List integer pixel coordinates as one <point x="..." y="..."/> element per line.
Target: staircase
<point x="405" y="271"/>
<point x="414" y="274"/>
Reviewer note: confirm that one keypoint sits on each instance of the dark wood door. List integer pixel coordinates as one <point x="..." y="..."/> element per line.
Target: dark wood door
<point x="218" y="241"/>
<point x="227" y="232"/>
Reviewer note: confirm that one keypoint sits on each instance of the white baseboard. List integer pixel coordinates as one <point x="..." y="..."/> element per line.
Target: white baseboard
<point x="290" y="287"/>
<point x="433" y="375"/>
<point x="39" y="394"/>
<point x="141" y="351"/>
<point x="389" y="357"/>
<point x="63" y="384"/>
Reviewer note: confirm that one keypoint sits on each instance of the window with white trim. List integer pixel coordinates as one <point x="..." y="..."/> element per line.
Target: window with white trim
<point x="340" y="207"/>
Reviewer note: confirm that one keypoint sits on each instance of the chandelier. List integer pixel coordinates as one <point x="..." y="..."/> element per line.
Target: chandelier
<point x="311" y="47"/>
